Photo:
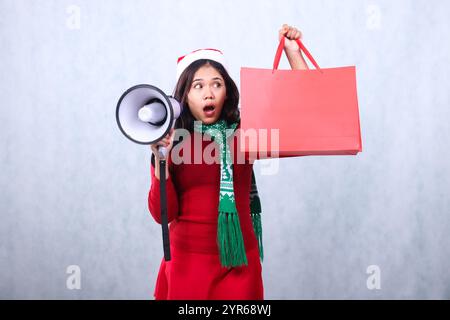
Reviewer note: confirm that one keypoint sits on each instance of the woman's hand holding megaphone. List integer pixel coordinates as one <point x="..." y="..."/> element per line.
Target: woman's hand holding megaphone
<point x="166" y="142"/>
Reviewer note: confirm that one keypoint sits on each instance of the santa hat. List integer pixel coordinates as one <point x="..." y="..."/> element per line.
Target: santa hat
<point x="210" y="54"/>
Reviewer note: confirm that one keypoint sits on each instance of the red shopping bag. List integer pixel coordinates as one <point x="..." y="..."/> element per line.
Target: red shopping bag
<point x="315" y="112"/>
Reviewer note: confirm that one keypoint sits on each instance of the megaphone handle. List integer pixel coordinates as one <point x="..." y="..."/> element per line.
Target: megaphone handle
<point x="162" y="152"/>
<point x="163" y="202"/>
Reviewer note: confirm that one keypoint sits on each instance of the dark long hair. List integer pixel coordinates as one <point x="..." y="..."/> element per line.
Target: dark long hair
<point x="230" y="110"/>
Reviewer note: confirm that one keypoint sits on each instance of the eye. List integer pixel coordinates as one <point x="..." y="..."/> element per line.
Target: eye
<point x="198" y="86"/>
<point x="217" y="84"/>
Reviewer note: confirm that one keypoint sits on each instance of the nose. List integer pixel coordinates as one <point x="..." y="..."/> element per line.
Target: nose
<point x="208" y="94"/>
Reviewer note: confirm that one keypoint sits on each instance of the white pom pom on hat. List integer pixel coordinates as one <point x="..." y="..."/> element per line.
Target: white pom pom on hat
<point x="208" y="53"/>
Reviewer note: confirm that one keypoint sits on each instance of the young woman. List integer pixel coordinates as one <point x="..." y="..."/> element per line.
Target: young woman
<point x="213" y="208"/>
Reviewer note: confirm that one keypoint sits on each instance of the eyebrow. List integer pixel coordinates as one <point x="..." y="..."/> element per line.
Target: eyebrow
<point x="216" y="78"/>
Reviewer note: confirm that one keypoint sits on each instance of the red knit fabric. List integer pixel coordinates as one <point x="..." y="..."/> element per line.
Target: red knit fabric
<point x="194" y="271"/>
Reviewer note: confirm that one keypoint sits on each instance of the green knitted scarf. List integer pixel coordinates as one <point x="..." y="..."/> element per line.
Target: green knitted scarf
<point x="229" y="234"/>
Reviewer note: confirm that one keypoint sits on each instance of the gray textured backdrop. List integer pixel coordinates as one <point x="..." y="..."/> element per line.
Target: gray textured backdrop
<point x="73" y="190"/>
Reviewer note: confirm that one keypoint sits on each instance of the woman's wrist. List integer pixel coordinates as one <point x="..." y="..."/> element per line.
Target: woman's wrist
<point x="291" y="52"/>
<point x="296" y="60"/>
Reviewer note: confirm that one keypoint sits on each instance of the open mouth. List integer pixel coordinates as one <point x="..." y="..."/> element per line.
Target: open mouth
<point x="208" y="108"/>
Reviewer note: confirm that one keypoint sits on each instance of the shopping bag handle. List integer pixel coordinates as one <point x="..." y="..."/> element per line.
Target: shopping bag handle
<point x="277" y="59"/>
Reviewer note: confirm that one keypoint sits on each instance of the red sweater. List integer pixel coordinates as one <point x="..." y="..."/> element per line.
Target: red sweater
<point x="193" y="200"/>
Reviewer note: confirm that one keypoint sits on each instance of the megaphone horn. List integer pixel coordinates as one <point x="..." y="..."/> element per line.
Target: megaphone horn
<point x="145" y="114"/>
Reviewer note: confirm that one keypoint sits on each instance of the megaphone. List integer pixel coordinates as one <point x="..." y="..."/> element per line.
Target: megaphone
<point x="145" y="115"/>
